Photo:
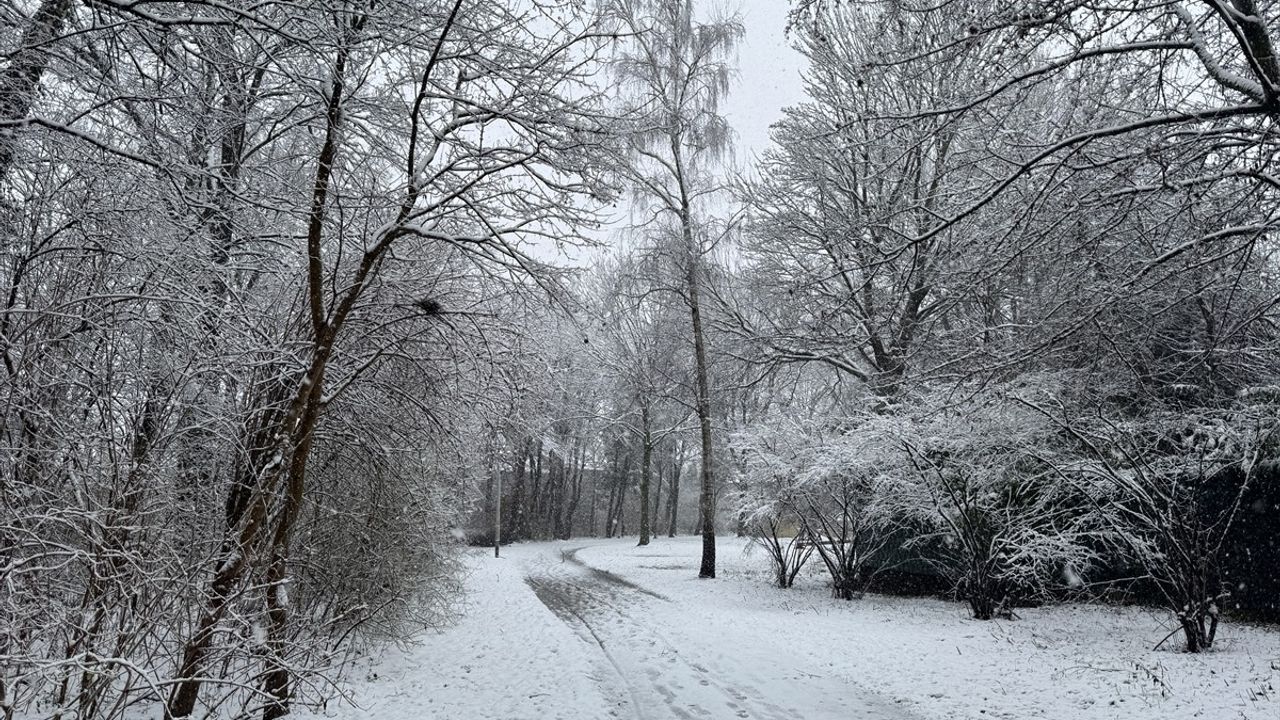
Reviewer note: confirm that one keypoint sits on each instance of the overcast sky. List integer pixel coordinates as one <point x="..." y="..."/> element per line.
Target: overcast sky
<point x="768" y="74"/>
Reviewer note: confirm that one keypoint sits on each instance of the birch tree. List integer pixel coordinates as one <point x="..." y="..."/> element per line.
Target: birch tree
<point x="675" y="71"/>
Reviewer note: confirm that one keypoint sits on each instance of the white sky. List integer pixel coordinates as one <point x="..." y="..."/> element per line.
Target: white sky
<point x="768" y="74"/>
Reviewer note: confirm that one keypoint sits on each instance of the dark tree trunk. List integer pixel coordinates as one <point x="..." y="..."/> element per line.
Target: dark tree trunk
<point x="673" y="498"/>
<point x="529" y="514"/>
<point x="646" y="468"/>
<point x="595" y="495"/>
<point x="247" y="506"/>
<point x="276" y="680"/>
<point x="707" y="491"/>
<point x="608" y="510"/>
<point x="655" y="512"/>
<point x="616" y="519"/>
<point x="577" y="469"/>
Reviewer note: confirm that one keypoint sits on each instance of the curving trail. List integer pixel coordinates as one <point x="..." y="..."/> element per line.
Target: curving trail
<point x="664" y="656"/>
<point x="600" y="630"/>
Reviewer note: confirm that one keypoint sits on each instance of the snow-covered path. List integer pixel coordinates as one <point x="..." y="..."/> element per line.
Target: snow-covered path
<point x="604" y="630"/>
<point x="661" y="657"/>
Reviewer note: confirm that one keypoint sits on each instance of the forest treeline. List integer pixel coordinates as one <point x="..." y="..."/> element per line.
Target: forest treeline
<point x="282" y="311"/>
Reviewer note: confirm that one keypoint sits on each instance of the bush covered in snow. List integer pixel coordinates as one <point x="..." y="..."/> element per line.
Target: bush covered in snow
<point x="1015" y="494"/>
<point x="969" y="488"/>
<point x="813" y="480"/>
<point x="1167" y="488"/>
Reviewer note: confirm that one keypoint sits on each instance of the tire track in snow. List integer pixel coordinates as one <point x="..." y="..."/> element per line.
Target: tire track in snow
<point x="603" y="608"/>
<point x="572" y="556"/>
<point x="556" y="600"/>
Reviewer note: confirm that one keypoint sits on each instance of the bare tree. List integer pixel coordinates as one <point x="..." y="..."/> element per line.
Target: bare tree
<point x="1191" y="84"/>
<point x="833" y="201"/>
<point x="637" y="339"/>
<point x="221" y="280"/>
<point x="675" y="71"/>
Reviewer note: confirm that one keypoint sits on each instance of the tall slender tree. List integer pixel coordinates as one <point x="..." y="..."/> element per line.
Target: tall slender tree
<point x="676" y="70"/>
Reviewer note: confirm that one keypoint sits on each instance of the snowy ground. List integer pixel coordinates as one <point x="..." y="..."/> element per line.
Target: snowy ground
<point x="601" y="629"/>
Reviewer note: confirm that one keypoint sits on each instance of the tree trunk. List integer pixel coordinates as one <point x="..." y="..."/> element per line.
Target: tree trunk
<point x="617" y="520"/>
<point x="276" y="676"/>
<point x="577" y="470"/>
<point x="646" y="464"/>
<point x="247" y="506"/>
<point x="655" y="512"/>
<point x="608" y="508"/>
<point x="707" y="496"/>
<point x="673" y="498"/>
<point x="529" y="514"/>
<point x="278" y="434"/>
<point x="497" y="511"/>
<point x="555" y="503"/>
<point x="595" y="494"/>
